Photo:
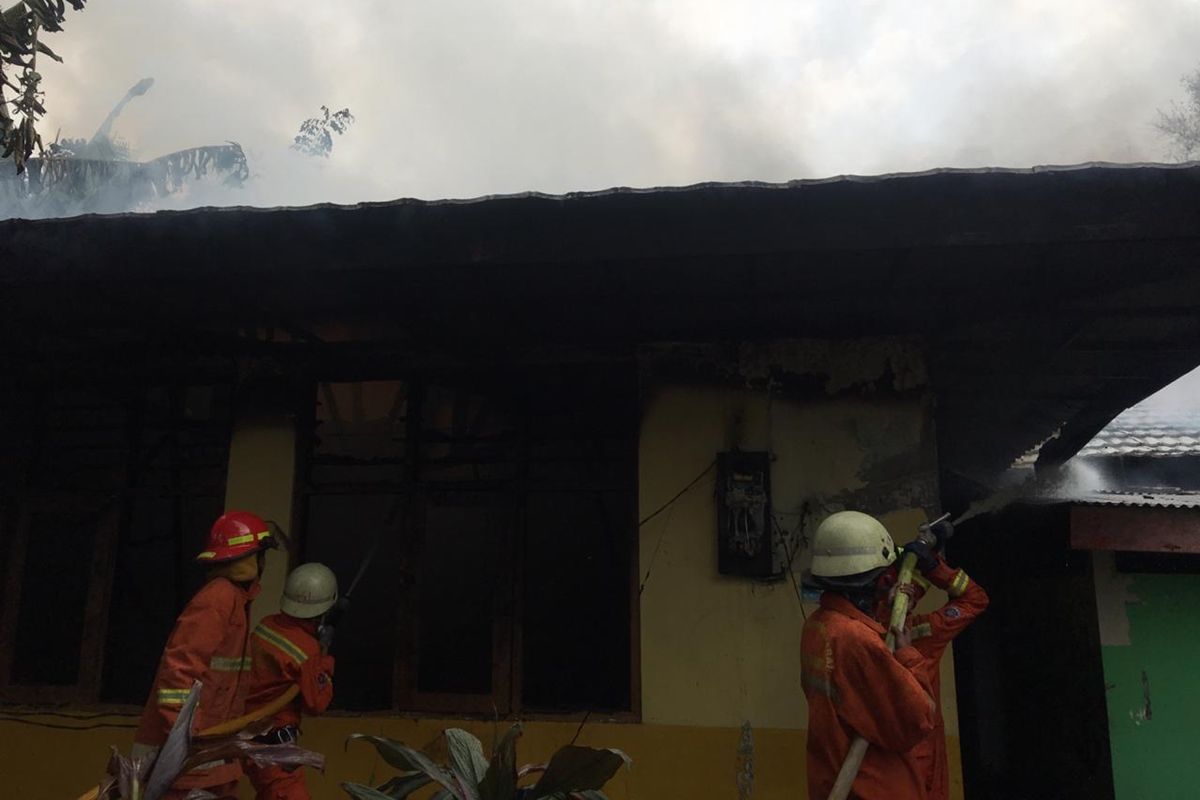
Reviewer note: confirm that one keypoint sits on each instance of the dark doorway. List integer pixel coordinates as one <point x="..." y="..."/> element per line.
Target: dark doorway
<point x="1031" y="704"/>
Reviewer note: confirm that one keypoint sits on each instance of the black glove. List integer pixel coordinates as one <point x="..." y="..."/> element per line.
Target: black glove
<point x="926" y="557"/>
<point x="325" y="636"/>
<point x="943" y="531"/>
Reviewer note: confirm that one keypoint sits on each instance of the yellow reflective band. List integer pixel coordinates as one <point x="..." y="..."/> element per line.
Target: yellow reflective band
<point x="223" y="664"/>
<point x="272" y="636"/>
<point x="207" y="554"/>
<point x="247" y="538"/>
<point x="173" y="697"/>
<point x="959" y="584"/>
<point x="922" y="630"/>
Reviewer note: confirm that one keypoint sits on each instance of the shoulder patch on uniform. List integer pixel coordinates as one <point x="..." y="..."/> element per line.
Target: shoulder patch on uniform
<point x="953" y="612"/>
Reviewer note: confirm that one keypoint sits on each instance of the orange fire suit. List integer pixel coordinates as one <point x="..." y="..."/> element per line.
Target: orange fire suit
<point x="854" y="687"/>
<point x="211" y="644"/>
<point x="932" y="634"/>
<point x="285" y="652"/>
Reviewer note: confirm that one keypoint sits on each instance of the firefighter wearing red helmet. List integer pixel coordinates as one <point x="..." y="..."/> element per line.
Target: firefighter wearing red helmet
<point x="210" y="643"/>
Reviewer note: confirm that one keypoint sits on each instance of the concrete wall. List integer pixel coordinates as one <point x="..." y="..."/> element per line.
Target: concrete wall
<point x="1150" y="641"/>
<point x="723" y="714"/>
<point x="262" y="468"/>
<point x="850" y="427"/>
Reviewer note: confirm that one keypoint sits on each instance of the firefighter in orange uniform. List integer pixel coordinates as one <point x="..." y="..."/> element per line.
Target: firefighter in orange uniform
<point x="931" y="635"/>
<point x="289" y="649"/>
<point x="211" y="644"/>
<point x="854" y="685"/>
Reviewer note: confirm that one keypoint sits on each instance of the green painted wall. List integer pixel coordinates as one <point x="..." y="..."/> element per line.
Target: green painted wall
<point x="1154" y="750"/>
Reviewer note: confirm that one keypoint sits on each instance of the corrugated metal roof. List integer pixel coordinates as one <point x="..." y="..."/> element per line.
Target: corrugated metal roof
<point x="1148" y="431"/>
<point x="1133" y="500"/>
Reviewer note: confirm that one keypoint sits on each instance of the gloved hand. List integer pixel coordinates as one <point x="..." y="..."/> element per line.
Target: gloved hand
<point x="926" y="556"/>
<point x="943" y="531"/>
<point x="325" y="636"/>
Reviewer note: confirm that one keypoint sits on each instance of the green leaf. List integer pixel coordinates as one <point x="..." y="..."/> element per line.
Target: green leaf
<point x="576" y="769"/>
<point x="406" y="759"/>
<point x="500" y="782"/>
<point x="466" y="759"/>
<point x="402" y="786"/>
<point x="360" y="792"/>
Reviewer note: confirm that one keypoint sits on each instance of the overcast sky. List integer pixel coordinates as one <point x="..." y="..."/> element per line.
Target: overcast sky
<point x="459" y="98"/>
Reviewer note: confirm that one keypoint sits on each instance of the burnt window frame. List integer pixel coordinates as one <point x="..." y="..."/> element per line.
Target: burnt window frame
<point x="405" y="699"/>
<point x="111" y="507"/>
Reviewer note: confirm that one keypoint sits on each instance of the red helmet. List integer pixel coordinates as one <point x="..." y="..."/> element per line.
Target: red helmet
<point x="234" y="535"/>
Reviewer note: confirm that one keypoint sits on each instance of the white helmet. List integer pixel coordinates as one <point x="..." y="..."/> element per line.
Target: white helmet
<point x="851" y="543"/>
<point x="310" y="591"/>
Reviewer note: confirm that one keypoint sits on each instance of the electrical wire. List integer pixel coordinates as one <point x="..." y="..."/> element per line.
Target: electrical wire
<point x="791" y="571"/>
<point x="669" y="507"/>
<point x="679" y="494"/>
<point x="58" y="727"/>
<point x="657" y="546"/>
<point x="14" y="712"/>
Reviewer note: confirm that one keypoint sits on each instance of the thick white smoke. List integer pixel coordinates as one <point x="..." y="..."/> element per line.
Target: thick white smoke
<point x="459" y="98"/>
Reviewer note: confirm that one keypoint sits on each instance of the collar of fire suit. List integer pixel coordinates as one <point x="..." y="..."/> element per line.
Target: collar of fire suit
<point x="283" y="620"/>
<point x="248" y="592"/>
<point x="835" y="602"/>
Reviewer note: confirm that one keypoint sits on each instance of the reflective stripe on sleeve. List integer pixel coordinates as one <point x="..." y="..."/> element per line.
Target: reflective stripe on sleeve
<point x="274" y="637"/>
<point x="959" y="584"/>
<point x="173" y="697"/>
<point x="223" y="664"/>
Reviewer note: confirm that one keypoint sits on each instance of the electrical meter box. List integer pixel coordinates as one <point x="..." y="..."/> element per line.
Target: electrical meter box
<point x="744" y="531"/>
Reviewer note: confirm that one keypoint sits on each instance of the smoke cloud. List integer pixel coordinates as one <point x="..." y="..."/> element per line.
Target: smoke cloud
<point x="460" y="98"/>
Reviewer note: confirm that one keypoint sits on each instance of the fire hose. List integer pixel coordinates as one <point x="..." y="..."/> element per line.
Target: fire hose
<point x="900" y="608"/>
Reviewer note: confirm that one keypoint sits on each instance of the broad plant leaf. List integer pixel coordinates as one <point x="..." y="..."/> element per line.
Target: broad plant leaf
<point x="466" y="760"/>
<point x="576" y="769"/>
<point x="360" y="792"/>
<point x="174" y="752"/>
<point x="262" y="755"/>
<point x="500" y="781"/>
<point x="403" y="785"/>
<point x="407" y="759"/>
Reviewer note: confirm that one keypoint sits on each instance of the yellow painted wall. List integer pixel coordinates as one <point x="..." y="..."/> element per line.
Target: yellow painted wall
<point x="716" y="652"/>
<point x="262" y="466"/>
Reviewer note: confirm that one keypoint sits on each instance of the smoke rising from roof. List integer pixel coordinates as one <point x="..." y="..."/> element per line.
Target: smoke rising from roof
<point x="460" y="98"/>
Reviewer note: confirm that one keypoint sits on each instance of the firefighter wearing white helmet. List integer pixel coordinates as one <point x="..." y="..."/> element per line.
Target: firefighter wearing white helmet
<point x="850" y="545"/>
<point x="310" y="591"/>
<point x="290" y="659"/>
<point x="853" y="683"/>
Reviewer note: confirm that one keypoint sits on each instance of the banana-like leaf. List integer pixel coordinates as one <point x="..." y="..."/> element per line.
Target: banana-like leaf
<point x="360" y="792"/>
<point x="174" y="752"/>
<point x="262" y="755"/>
<point x="500" y="781"/>
<point x="576" y="769"/>
<point x="466" y="760"/>
<point x="402" y="786"/>
<point x="407" y="759"/>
